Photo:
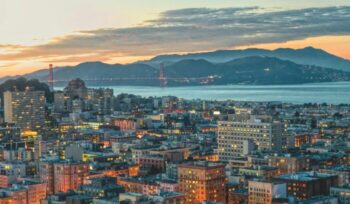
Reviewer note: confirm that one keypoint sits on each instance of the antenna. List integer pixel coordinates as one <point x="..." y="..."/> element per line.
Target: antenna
<point x="50" y="79"/>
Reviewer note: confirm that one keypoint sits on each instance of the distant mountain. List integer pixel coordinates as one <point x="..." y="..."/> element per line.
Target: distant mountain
<point x="246" y="70"/>
<point x="255" y="70"/>
<point x="306" y="56"/>
<point x="95" y="72"/>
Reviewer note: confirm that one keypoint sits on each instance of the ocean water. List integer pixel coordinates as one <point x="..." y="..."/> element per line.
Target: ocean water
<point x="333" y="93"/>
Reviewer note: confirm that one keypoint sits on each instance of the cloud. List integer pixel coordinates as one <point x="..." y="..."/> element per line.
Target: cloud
<point x="193" y="29"/>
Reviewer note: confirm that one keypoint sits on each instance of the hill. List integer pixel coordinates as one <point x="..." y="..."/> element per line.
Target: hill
<point x="305" y="56"/>
<point x="246" y="70"/>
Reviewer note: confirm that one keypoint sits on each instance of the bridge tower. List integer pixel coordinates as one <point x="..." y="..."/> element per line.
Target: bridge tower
<point x="50" y="79"/>
<point x="162" y="78"/>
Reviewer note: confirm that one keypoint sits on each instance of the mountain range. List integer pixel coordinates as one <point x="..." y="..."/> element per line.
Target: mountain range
<point x="250" y="66"/>
<point x="305" y="56"/>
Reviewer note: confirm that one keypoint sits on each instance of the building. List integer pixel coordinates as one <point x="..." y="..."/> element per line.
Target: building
<point x="26" y="109"/>
<point x="36" y="191"/>
<point x="17" y="194"/>
<point x="133" y="198"/>
<point x="168" y="197"/>
<point x="26" y="192"/>
<point x="320" y="200"/>
<point x="59" y="102"/>
<point x="139" y="185"/>
<point x="69" y="175"/>
<point x="238" y="197"/>
<point x="304" y="185"/>
<point x="263" y="192"/>
<point x="287" y="164"/>
<point x="46" y="173"/>
<point x="342" y="193"/>
<point x="104" y="187"/>
<point x="125" y="124"/>
<point x="61" y="176"/>
<point x="238" y="138"/>
<point x="101" y="100"/>
<point x="265" y="172"/>
<point x="343" y="173"/>
<point x="76" y="89"/>
<point x="202" y="181"/>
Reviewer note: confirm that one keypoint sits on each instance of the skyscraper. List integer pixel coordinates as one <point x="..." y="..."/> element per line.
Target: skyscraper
<point x="26" y="109"/>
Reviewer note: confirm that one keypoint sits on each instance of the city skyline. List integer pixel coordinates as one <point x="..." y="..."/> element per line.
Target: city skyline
<point x="38" y="33"/>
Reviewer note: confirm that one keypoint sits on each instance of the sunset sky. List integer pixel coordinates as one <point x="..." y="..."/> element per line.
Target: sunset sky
<point x="66" y="32"/>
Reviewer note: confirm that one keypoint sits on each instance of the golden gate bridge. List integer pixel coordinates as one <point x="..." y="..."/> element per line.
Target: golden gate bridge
<point x="163" y="80"/>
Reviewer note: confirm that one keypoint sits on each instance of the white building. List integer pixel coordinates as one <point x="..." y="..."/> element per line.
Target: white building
<point x="235" y="138"/>
<point x="25" y="109"/>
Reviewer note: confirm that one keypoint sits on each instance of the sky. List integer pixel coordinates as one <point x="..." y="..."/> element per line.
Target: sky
<point x="39" y="32"/>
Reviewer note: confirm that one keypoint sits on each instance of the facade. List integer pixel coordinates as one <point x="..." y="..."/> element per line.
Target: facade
<point x="235" y="138"/>
<point x="69" y="175"/>
<point x="263" y="192"/>
<point x="265" y="172"/>
<point x="342" y="193"/>
<point x="59" y="102"/>
<point x="125" y="123"/>
<point x="202" y="181"/>
<point x="141" y="186"/>
<point x="304" y="185"/>
<point x="61" y="176"/>
<point x="288" y="164"/>
<point x="104" y="187"/>
<point x="343" y="173"/>
<point x="46" y="170"/>
<point x="26" y="109"/>
<point x="102" y="100"/>
<point x="321" y="200"/>
<point x="24" y="193"/>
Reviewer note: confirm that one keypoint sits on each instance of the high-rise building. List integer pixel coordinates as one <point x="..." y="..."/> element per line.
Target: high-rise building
<point x="263" y="192"/>
<point x="202" y="181"/>
<point x="26" y="109"/>
<point x="235" y="138"/>
<point x="102" y="100"/>
<point x="59" y="102"/>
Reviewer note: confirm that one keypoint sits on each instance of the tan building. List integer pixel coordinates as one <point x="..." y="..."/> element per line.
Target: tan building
<point x="263" y="192"/>
<point x="26" y="109"/>
<point x="202" y="181"/>
<point x="239" y="138"/>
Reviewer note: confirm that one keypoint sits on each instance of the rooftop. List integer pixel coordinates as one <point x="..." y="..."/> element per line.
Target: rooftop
<point x="305" y="176"/>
